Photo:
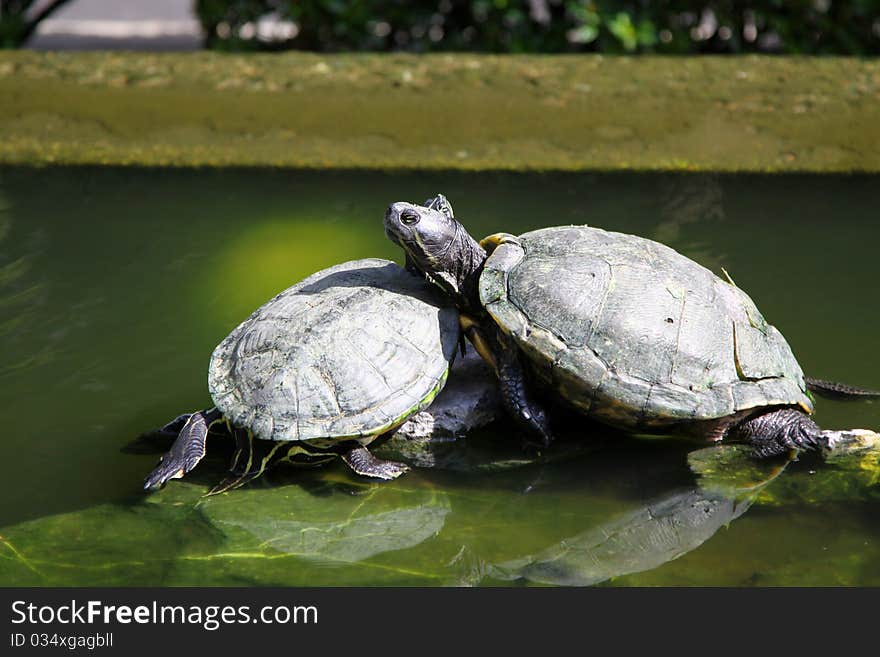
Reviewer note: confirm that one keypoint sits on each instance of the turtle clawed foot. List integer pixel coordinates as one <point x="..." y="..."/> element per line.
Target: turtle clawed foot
<point x="539" y="436"/>
<point x="168" y="468"/>
<point x="171" y="466"/>
<point x="389" y="470"/>
<point x="529" y="444"/>
<point x="185" y="453"/>
<point x="363" y="463"/>
<point x="547" y="438"/>
<point x="538" y="427"/>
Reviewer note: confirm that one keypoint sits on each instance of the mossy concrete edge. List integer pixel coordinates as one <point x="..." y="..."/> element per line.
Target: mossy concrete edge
<point x="464" y="112"/>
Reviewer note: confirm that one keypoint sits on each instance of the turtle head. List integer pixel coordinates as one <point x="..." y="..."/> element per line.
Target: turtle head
<point x="426" y="232"/>
<point x="434" y="242"/>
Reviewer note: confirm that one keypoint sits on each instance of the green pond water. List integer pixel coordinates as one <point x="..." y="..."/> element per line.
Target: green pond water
<point x="116" y="284"/>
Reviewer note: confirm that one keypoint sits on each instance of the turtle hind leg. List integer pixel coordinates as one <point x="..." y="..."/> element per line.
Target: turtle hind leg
<point x="363" y="463"/>
<point x="174" y="427"/>
<point x="186" y="451"/>
<point x="780" y="431"/>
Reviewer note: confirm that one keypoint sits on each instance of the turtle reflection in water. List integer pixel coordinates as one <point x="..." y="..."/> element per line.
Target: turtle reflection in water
<point x="672" y="523"/>
<point x="320" y="371"/>
<point x="661" y="530"/>
<point x="623" y="328"/>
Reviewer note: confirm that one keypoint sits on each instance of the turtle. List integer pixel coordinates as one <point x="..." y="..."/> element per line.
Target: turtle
<point x="320" y="371"/>
<point x="620" y="327"/>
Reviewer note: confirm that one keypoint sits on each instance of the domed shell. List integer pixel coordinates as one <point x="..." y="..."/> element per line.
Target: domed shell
<point x="349" y="352"/>
<point x="634" y="333"/>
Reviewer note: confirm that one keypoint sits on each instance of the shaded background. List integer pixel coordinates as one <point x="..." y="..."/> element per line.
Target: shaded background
<point x="825" y="27"/>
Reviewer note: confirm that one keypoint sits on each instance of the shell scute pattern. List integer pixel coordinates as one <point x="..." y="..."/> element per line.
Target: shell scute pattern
<point x="635" y="333"/>
<point x="344" y="353"/>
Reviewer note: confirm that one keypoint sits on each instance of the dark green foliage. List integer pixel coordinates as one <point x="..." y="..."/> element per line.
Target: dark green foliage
<point x="845" y="27"/>
<point x="19" y="19"/>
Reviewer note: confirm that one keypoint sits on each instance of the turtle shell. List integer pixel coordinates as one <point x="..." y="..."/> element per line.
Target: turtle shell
<point x="349" y="352"/>
<point x="634" y="333"/>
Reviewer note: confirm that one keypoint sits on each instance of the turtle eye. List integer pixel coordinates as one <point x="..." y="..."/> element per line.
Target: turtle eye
<point x="409" y="217"/>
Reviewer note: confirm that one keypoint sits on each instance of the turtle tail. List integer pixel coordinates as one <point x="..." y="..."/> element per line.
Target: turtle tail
<point x="835" y="390"/>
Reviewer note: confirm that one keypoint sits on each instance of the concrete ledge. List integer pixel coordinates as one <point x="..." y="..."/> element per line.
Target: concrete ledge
<point x="441" y="111"/>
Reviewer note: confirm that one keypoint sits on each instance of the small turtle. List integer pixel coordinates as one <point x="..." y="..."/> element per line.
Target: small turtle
<point x="321" y="370"/>
<point x="623" y="328"/>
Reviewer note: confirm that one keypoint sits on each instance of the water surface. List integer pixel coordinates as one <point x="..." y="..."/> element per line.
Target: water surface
<point x="116" y="284"/>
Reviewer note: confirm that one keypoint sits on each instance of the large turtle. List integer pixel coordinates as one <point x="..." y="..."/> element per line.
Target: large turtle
<point x="623" y="328"/>
<point x="321" y="370"/>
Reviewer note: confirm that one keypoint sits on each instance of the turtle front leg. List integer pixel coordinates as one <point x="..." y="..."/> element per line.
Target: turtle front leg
<point x="363" y="463"/>
<point x="187" y="449"/>
<point x="516" y="398"/>
<point x="502" y="354"/>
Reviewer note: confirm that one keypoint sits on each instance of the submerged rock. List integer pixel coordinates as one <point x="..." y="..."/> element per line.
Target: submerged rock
<point x="469" y="401"/>
<point x="435" y="436"/>
<point x="851" y="442"/>
<point x="624" y="512"/>
<point x="848" y="470"/>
